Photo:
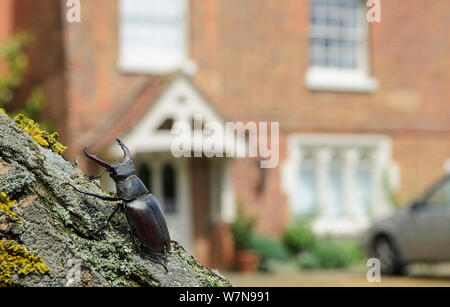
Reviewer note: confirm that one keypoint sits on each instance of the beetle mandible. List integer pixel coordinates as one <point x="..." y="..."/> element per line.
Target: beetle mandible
<point x="142" y="210"/>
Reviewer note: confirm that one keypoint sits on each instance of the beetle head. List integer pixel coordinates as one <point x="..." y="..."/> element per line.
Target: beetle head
<point x="118" y="172"/>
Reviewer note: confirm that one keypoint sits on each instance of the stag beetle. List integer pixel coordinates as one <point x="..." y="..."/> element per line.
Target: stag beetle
<point x="141" y="208"/>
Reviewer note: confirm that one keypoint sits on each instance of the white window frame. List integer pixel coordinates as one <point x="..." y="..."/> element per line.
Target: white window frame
<point x="326" y="78"/>
<point x="159" y="63"/>
<point x="351" y="146"/>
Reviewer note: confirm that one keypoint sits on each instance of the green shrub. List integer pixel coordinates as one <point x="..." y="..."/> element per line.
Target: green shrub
<point x="269" y="250"/>
<point x="330" y="255"/>
<point x="242" y="229"/>
<point x="298" y="238"/>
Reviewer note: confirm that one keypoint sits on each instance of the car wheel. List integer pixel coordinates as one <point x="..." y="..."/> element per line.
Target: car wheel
<point x="388" y="255"/>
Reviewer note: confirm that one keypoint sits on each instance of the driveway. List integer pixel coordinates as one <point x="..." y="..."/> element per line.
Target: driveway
<point x="418" y="276"/>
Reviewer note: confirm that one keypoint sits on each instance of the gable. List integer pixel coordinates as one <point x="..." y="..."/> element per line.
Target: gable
<point x="180" y="102"/>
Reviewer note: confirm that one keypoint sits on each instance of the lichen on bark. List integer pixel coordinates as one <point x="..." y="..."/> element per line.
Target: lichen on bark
<point x="59" y="226"/>
<point x="15" y="258"/>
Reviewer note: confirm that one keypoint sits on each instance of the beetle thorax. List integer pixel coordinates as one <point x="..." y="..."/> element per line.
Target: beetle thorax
<point x="131" y="188"/>
<point x="128" y="185"/>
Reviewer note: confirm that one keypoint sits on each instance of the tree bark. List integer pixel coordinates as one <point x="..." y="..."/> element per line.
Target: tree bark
<point x="59" y="225"/>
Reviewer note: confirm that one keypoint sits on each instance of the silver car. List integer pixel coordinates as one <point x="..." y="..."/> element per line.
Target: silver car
<point x="418" y="233"/>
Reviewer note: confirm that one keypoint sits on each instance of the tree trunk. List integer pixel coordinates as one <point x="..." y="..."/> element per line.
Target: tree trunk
<point x="48" y="235"/>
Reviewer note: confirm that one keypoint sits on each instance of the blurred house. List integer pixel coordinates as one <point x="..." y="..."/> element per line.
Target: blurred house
<point x="363" y="107"/>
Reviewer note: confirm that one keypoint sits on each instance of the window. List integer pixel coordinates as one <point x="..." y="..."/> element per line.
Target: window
<point x="145" y="174"/>
<point x="337" y="34"/>
<point x="338" y="46"/>
<point x="152" y="35"/>
<point x="169" y="188"/>
<point x="338" y="175"/>
<point x="342" y="179"/>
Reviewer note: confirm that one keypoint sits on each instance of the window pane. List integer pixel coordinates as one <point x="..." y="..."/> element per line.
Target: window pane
<point x="363" y="187"/>
<point x="145" y="174"/>
<point x="318" y="51"/>
<point x="308" y="187"/>
<point x="334" y="204"/>
<point x="348" y="50"/>
<point x="169" y="189"/>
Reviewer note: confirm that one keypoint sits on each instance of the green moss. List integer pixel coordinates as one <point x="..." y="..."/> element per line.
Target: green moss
<point x="44" y="138"/>
<point x="6" y="204"/>
<point x="15" y="258"/>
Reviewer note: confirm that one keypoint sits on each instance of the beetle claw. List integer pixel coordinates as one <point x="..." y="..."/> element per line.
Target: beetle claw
<point x="126" y="152"/>
<point x="163" y="265"/>
<point x="96" y="159"/>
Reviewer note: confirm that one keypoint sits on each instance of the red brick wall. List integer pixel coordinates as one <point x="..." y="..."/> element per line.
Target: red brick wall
<point x="6" y="17"/>
<point x="5" y="25"/>
<point x="260" y="192"/>
<point x="258" y="52"/>
<point x="421" y="159"/>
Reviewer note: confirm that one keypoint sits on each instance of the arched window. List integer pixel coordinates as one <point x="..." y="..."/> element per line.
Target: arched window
<point x="169" y="188"/>
<point x="145" y="174"/>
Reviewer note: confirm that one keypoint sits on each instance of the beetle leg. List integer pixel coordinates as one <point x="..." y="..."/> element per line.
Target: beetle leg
<point x="149" y="257"/>
<point x="159" y="262"/>
<point x="132" y="234"/>
<point x="112" y="214"/>
<point x="104" y="197"/>
<point x="109" y="220"/>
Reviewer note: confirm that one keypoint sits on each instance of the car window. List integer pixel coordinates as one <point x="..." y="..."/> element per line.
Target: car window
<point x="441" y="196"/>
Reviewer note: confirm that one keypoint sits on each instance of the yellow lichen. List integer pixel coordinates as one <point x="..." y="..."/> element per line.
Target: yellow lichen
<point x="6" y="204"/>
<point x="2" y="111"/>
<point x="15" y="258"/>
<point x="44" y="138"/>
